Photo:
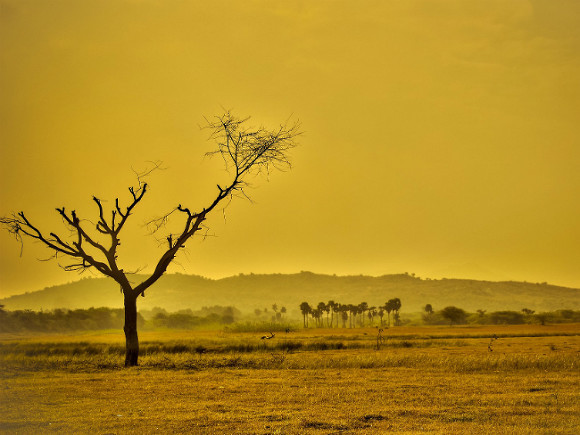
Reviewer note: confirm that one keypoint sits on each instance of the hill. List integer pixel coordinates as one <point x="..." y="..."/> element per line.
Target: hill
<point x="247" y="292"/>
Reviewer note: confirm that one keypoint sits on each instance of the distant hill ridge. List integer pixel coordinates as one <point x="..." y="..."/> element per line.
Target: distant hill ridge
<point x="247" y="292"/>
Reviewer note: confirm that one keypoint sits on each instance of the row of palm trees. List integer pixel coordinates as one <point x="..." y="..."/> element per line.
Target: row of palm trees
<point x="331" y="313"/>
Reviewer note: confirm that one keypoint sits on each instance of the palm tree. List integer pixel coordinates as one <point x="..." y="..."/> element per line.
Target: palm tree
<point x="344" y="314"/>
<point x="371" y="314"/>
<point x="396" y="308"/>
<point x="332" y="305"/>
<point x="388" y="309"/>
<point x="306" y="309"/>
<point x="316" y="313"/>
<point x="393" y="305"/>
<point x="350" y="309"/>
<point x="381" y="313"/>
<point x="362" y="307"/>
<point x="321" y="308"/>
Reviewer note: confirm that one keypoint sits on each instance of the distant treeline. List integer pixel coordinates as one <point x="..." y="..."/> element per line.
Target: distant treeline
<point x="330" y="314"/>
<point x="323" y="315"/>
<point x="334" y="315"/>
<point x="454" y="315"/>
<point x="188" y="319"/>
<point x="62" y="320"/>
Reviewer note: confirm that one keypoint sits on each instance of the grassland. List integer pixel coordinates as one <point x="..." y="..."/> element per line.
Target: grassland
<point x="424" y="379"/>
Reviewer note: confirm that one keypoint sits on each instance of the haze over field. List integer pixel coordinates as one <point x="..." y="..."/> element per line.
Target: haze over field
<point x="176" y="292"/>
<point x="440" y="137"/>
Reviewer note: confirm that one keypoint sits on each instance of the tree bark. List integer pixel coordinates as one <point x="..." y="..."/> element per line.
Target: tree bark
<point x="131" y="338"/>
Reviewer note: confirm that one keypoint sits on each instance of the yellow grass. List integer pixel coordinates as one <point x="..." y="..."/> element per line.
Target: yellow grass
<point x="529" y="383"/>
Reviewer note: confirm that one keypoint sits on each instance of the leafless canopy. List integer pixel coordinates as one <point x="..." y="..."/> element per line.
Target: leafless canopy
<point x="251" y="149"/>
<point x="84" y="250"/>
<point x="245" y="151"/>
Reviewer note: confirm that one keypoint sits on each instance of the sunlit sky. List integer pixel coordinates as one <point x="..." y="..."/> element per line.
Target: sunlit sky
<point x="440" y="137"/>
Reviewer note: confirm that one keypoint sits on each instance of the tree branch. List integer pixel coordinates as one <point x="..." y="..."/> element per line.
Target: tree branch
<point x="245" y="151"/>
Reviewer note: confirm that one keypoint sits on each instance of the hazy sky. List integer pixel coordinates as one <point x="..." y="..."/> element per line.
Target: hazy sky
<point x="440" y="137"/>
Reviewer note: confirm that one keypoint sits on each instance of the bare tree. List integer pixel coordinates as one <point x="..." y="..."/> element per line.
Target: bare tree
<point x="245" y="150"/>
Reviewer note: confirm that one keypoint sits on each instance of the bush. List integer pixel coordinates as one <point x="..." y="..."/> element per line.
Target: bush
<point x="507" y="318"/>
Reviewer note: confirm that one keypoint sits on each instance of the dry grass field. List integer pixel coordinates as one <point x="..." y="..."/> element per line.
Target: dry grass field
<point x="424" y="379"/>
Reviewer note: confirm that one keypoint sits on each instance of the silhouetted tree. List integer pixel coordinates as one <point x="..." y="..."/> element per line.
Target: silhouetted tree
<point x="453" y="314"/>
<point x="527" y="311"/>
<point x="93" y="245"/>
<point x="339" y="310"/>
<point x="428" y="309"/>
<point x="389" y="307"/>
<point x="362" y="308"/>
<point x="332" y="307"/>
<point x="381" y="313"/>
<point x="352" y="310"/>
<point x="317" y="313"/>
<point x="306" y="309"/>
<point x="542" y="318"/>
<point x="344" y="314"/>
<point x="373" y="313"/>
<point x="396" y="304"/>
<point x="397" y="319"/>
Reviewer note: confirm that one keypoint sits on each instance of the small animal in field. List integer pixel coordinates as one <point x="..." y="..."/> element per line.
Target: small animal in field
<point x="267" y="337"/>
<point x="489" y="346"/>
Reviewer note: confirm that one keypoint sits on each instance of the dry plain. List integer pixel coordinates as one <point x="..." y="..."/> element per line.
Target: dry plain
<point x="417" y="379"/>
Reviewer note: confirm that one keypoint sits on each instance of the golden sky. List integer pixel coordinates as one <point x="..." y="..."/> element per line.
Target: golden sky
<point x="440" y="137"/>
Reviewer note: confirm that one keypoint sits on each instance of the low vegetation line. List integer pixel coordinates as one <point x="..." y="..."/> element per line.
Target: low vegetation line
<point x="295" y="361"/>
<point x="200" y="348"/>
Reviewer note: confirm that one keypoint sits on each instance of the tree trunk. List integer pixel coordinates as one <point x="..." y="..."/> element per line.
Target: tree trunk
<point x="131" y="338"/>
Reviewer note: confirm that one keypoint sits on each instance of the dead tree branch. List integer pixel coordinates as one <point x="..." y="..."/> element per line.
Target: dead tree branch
<point x="245" y="150"/>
